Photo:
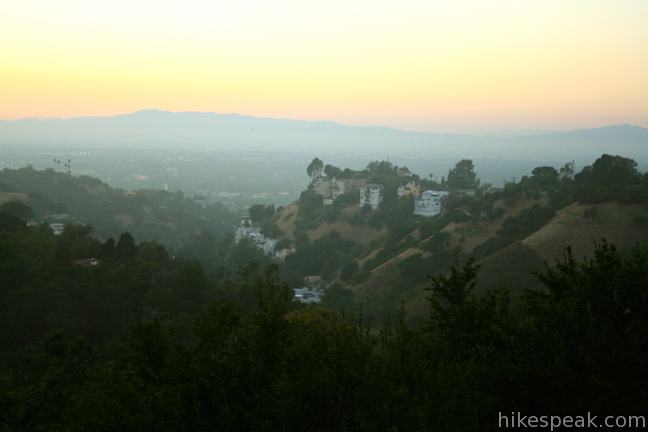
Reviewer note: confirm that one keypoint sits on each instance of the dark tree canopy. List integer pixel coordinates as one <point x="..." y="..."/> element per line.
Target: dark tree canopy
<point x="333" y="171"/>
<point x="260" y="212"/>
<point x="10" y="222"/>
<point x="18" y="209"/>
<point x="315" y="168"/>
<point x="545" y="171"/>
<point x="125" y="249"/>
<point x="610" y="170"/>
<point x="463" y="176"/>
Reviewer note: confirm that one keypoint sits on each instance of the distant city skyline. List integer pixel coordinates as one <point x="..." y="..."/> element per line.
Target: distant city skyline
<point x="466" y="67"/>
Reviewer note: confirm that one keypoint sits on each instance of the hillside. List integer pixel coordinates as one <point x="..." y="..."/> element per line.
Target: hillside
<point x="623" y="225"/>
<point x="170" y="218"/>
<point x="383" y="256"/>
<point x="620" y="224"/>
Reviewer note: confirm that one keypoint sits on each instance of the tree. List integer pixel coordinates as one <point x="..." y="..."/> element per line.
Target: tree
<point x="567" y="171"/>
<point x="545" y="171"/>
<point x="9" y="222"/>
<point x="589" y="332"/>
<point x="463" y="176"/>
<point x="381" y="168"/>
<point x="309" y="201"/>
<point x="18" y="209"/>
<point x="315" y="168"/>
<point x="333" y="171"/>
<point x="610" y="170"/>
<point x="260" y="213"/>
<point x="610" y="178"/>
<point x="126" y="249"/>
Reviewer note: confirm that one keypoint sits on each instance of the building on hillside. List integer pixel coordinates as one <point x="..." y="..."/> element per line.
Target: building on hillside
<point x="371" y="194"/>
<point x="282" y="254"/>
<point x="57" y="228"/>
<point x="86" y="262"/>
<point x="352" y="184"/>
<point x="247" y="230"/>
<point x="409" y="189"/>
<point x="244" y="229"/>
<point x="429" y="203"/>
<point x="307" y="295"/>
<point x="328" y="188"/>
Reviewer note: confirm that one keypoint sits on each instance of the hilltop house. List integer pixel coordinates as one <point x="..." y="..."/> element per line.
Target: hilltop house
<point x="328" y="188"/>
<point x="429" y="203"/>
<point x="371" y="194"/>
<point x="282" y="254"/>
<point x="247" y="230"/>
<point x="307" y="295"/>
<point x="410" y="189"/>
<point x="57" y="228"/>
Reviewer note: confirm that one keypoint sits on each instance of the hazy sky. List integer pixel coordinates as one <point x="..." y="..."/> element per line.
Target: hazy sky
<point x="438" y="65"/>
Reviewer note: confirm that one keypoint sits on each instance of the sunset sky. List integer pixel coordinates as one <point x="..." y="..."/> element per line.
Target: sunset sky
<point x="455" y="66"/>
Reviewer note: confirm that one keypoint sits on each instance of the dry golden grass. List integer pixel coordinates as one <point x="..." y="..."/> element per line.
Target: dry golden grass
<point x="285" y="220"/>
<point x="12" y="196"/>
<point x="615" y="222"/>
<point x="469" y="235"/>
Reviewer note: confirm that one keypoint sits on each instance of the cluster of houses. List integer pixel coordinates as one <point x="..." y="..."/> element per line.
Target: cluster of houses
<point x="249" y="231"/>
<point x="426" y="203"/>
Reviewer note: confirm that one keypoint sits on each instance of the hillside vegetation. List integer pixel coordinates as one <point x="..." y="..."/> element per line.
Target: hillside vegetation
<point x="171" y="218"/>
<point x="105" y="334"/>
<point x="143" y="341"/>
<point x="510" y="232"/>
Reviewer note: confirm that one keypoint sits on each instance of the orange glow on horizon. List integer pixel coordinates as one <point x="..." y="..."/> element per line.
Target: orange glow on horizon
<point x="416" y="65"/>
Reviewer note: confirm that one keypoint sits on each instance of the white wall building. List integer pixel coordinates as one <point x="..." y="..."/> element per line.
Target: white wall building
<point x="429" y="203"/>
<point x="307" y="295"/>
<point x="371" y="194"/>
<point x="57" y="228"/>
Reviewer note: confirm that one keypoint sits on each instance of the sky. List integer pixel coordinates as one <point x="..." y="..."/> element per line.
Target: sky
<point x="430" y="65"/>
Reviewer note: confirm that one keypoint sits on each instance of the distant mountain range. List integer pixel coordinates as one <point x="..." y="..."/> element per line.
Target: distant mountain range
<point x="155" y="128"/>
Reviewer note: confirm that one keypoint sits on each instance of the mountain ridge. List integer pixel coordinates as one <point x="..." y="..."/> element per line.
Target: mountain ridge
<point x="235" y="132"/>
<point x="166" y="113"/>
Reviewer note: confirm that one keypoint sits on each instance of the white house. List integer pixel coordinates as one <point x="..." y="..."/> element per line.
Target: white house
<point x="307" y="295"/>
<point x="429" y="203"/>
<point x="371" y="194"/>
<point x="57" y="228"/>
<point x="409" y="189"/>
<point x="282" y="254"/>
<point x="247" y="230"/>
